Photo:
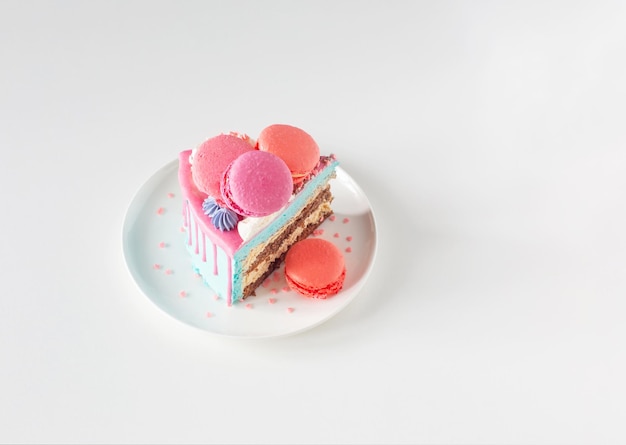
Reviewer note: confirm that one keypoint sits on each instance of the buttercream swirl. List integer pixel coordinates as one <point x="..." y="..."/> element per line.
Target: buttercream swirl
<point x="222" y="218"/>
<point x="210" y="206"/>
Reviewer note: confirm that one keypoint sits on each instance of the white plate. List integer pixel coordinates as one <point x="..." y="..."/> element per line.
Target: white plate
<point x="154" y="248"/>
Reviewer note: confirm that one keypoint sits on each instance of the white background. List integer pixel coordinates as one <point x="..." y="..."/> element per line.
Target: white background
<point x="489" y="137"/>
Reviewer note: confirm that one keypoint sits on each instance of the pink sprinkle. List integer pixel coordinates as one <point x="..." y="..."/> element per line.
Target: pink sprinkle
<point x="160" y="211"/>
<point x="209" y="314"/>
<point x="272" y="300"/>
<point x="216" y="297"/>
<point x="266" y="282"/>
<point x="170" y="195"/>
<point x="332" y="217"/>
<point x="346" y="220"/>
<point x="156" y="266"/>
<point x="318" y="232"/>
<point x="197" y="275"/>
<point x="336" y="235"/>
<point x="276" y="276"/>
<point x="168" y="271"/>
<point x="182" y="229"/>
<point x="182" y="293"/>
<point x="290" y="309"/>
<point x="286" y="289"/>
<point x="348" y="238"/>
<point x="248" y="306"/>
<point x="274" y="290"/>
<point x="348" y="249"/>
<point x="162" y="244"/>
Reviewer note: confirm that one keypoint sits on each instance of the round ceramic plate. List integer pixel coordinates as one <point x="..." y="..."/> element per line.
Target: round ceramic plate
<point x="155" y="253"/>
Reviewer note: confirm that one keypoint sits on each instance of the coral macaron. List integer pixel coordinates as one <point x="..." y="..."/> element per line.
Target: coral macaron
<point x="293" y="145"/>
<point x="256" y="184"/>
<point x="315" y="268"/>
<point x="213" y="157"/>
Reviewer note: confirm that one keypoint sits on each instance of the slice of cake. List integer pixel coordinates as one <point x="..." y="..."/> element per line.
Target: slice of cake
<point x="239" y="220"/>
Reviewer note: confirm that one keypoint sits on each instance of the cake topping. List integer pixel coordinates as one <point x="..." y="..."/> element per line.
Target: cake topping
<point x="210" y="206"/>
<point x="248" y="227"/>
<point x="211" y="159"/>
<point x="225" y="219"/>
<point x="256" y="184"/>
<point x="293" y="145"/>
<point x="222" y="218"/>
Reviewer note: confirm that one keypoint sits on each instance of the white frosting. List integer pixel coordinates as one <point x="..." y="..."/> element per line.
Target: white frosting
<point x="248" y="227"/>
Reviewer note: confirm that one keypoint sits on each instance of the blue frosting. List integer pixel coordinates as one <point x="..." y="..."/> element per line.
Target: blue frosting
<point x="222" y="218"/>
<point x="210" y="206"/>
<point x="225" y="219"/>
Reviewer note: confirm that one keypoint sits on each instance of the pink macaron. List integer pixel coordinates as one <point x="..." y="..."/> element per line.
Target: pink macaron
<point x="256" y="184"/>
<point x="315" y="268"/>
<point x="212" y="158"/>
<point x="294" y="146"/>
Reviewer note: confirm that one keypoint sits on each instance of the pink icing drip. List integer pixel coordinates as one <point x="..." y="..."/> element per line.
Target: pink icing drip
<point x="185" y="210"/>
<point x="203" y="247"/>
<point x="189" y="222"/>
<point x="215" y="259"/>
<point x="197" y="239"/>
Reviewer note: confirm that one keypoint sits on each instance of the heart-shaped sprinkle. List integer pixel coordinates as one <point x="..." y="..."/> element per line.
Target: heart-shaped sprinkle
<point x="209" y="314"/>
<point x="332" y="217"/>
<point x="346" y="220"/>
<point x="160" y="211"/>
<point x="248" y="306"/>
<point x="290" y="309"/>
<point x="348" y="238"/>
<point x="271" y="300"/>
<point x="348" y="249"/>
<point x="162" y="244"/>
<point x="182" y="293"/>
